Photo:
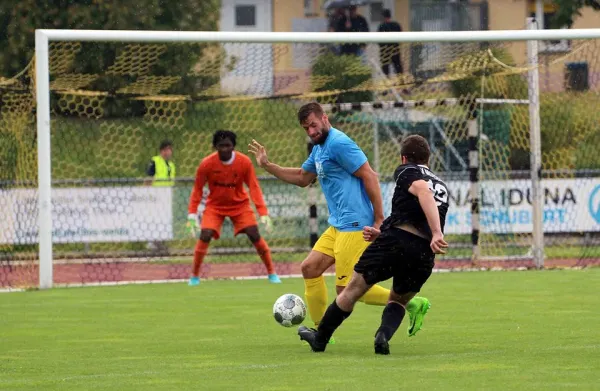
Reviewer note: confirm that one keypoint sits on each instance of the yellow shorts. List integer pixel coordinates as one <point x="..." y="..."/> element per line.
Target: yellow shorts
<point x="345" y="247"/>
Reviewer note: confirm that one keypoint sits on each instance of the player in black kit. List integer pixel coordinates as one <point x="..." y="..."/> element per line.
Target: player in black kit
<point x="404" y="249"/>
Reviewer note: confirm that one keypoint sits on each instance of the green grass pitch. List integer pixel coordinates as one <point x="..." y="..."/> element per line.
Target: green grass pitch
<point x="485" y="331"/>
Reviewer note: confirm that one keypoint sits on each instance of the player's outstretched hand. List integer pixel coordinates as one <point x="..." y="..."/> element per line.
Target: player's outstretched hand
<point x="438" y="244"/>
<point x="260" y="153"/>
<point x="370" y="233"/>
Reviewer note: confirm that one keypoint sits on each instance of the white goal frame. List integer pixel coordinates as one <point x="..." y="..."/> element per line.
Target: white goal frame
<point x="44" y="36"/>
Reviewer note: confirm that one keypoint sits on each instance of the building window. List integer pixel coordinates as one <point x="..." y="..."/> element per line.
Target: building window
<point x="245" y="15"/>
<point x="549" y="11"/>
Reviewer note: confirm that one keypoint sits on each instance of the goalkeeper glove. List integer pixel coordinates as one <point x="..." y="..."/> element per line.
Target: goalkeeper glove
<point x="267" y="223"/>
<point x="192" y="224"/>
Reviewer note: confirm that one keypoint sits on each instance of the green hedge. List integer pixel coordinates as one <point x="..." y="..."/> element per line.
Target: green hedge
<point x="344" y="73"/>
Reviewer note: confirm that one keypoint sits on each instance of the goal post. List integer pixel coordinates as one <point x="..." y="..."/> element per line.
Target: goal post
<point x="395" y="121"/>
<point x="42" y="73"/>
<point x="536" y="146"/>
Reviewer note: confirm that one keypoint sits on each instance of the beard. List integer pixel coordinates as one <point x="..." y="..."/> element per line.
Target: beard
<point x="321" y="139"/>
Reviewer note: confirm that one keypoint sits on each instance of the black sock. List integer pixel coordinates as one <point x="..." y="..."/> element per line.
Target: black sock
<point x="392" y="316"/>
<point x="333" y="318"/>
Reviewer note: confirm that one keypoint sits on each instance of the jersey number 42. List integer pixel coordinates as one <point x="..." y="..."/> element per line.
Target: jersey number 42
<point x="440" y="193"/>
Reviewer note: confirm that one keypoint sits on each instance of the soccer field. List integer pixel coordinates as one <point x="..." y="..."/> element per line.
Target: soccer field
<point x="485" y="330"/>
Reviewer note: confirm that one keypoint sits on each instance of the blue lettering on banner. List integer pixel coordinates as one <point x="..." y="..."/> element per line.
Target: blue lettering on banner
<point x="497" y="217"/>
<point x="554" y="215"/>
<point x="524" y="217"/>
<point x="452" y="219"/>
<point x="594" y="204"/>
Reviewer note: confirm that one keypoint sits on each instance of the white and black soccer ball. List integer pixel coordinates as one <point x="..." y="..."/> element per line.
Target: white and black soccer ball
<point x="289" y="310"/>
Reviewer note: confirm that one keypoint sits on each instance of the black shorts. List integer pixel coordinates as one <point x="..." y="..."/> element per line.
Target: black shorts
<point x="397" y="254"/>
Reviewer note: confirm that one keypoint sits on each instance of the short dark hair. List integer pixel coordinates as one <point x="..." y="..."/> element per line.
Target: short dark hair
<point x="386" y="13"/>
<point x="222" y="135"/>
<point x="416" y="149"/>
<point x="165" y="144"/>
<point x="308" y="109"/>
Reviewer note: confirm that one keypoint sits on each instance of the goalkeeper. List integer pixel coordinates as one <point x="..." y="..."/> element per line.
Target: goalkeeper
<point x="226" y="171"/>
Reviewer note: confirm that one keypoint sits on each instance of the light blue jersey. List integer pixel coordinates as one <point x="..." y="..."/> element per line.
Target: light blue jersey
<point x="334" y="162"/>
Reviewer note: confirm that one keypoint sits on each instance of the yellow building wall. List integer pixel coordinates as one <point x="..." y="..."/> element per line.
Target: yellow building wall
<point x="588" y="19"/>
<point x="509" y="15"/>
<point x="402" y="13"/>
<point x="284" y="12"/>
<point x="402" y="16"/>
<point x="288" y="80"/>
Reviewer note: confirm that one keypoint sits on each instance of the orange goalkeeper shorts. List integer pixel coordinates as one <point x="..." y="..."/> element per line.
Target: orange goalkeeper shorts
<point x="213" y="219"/>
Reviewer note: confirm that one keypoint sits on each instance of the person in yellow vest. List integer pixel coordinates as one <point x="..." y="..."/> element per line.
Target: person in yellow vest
<point x="161" y="172"/>
<point x="161" y="168"/>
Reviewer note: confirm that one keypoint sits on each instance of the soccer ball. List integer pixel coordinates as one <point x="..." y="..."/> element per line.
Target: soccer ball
<point x="289" y="310"/>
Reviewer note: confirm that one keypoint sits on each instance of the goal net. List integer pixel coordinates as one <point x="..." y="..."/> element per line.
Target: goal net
<point x="113" y="103"/>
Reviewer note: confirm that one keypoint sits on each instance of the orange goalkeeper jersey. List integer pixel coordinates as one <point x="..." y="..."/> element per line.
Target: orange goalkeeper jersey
<point x="226" y="185"/>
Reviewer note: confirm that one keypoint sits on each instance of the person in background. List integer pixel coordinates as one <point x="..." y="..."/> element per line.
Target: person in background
<point x="160" y="173"/>
<point x="336" y="19"/>
<point x="161" y="169"/>
<point x="355" y="23"/>
<point x="389" y="52"/>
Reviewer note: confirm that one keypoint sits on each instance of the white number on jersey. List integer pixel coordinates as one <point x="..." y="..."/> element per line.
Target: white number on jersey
<point x="440" y="193"/>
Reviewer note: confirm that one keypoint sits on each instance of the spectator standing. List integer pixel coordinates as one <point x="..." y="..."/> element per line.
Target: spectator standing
<point x="389" y="52"/>
<point x="161" y="173"/>
<point x="355" y="23"/>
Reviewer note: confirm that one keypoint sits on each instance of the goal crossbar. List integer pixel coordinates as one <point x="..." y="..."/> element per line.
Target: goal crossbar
<point x="322" y="37"/>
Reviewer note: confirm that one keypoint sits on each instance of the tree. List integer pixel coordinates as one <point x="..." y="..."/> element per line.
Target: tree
<point x="19" y="19"/>
<point x="568" y="10"/>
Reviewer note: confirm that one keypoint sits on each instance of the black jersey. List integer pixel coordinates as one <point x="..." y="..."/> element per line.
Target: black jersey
<point x="406" y="207"/>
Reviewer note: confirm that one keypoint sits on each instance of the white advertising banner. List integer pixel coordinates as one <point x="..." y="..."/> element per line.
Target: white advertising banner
<point x="570" y="205"/>
<point x="86" y="215"/>
<point x="124" y="214"/>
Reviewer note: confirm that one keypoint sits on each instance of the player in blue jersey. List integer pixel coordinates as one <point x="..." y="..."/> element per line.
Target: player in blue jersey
<point x="353" y="195"/>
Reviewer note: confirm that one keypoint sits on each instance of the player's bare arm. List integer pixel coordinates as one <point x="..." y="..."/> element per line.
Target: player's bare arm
<point x="371" y="182"/>
<point x="295" y="176"/>
<point x="421" y="190"/>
